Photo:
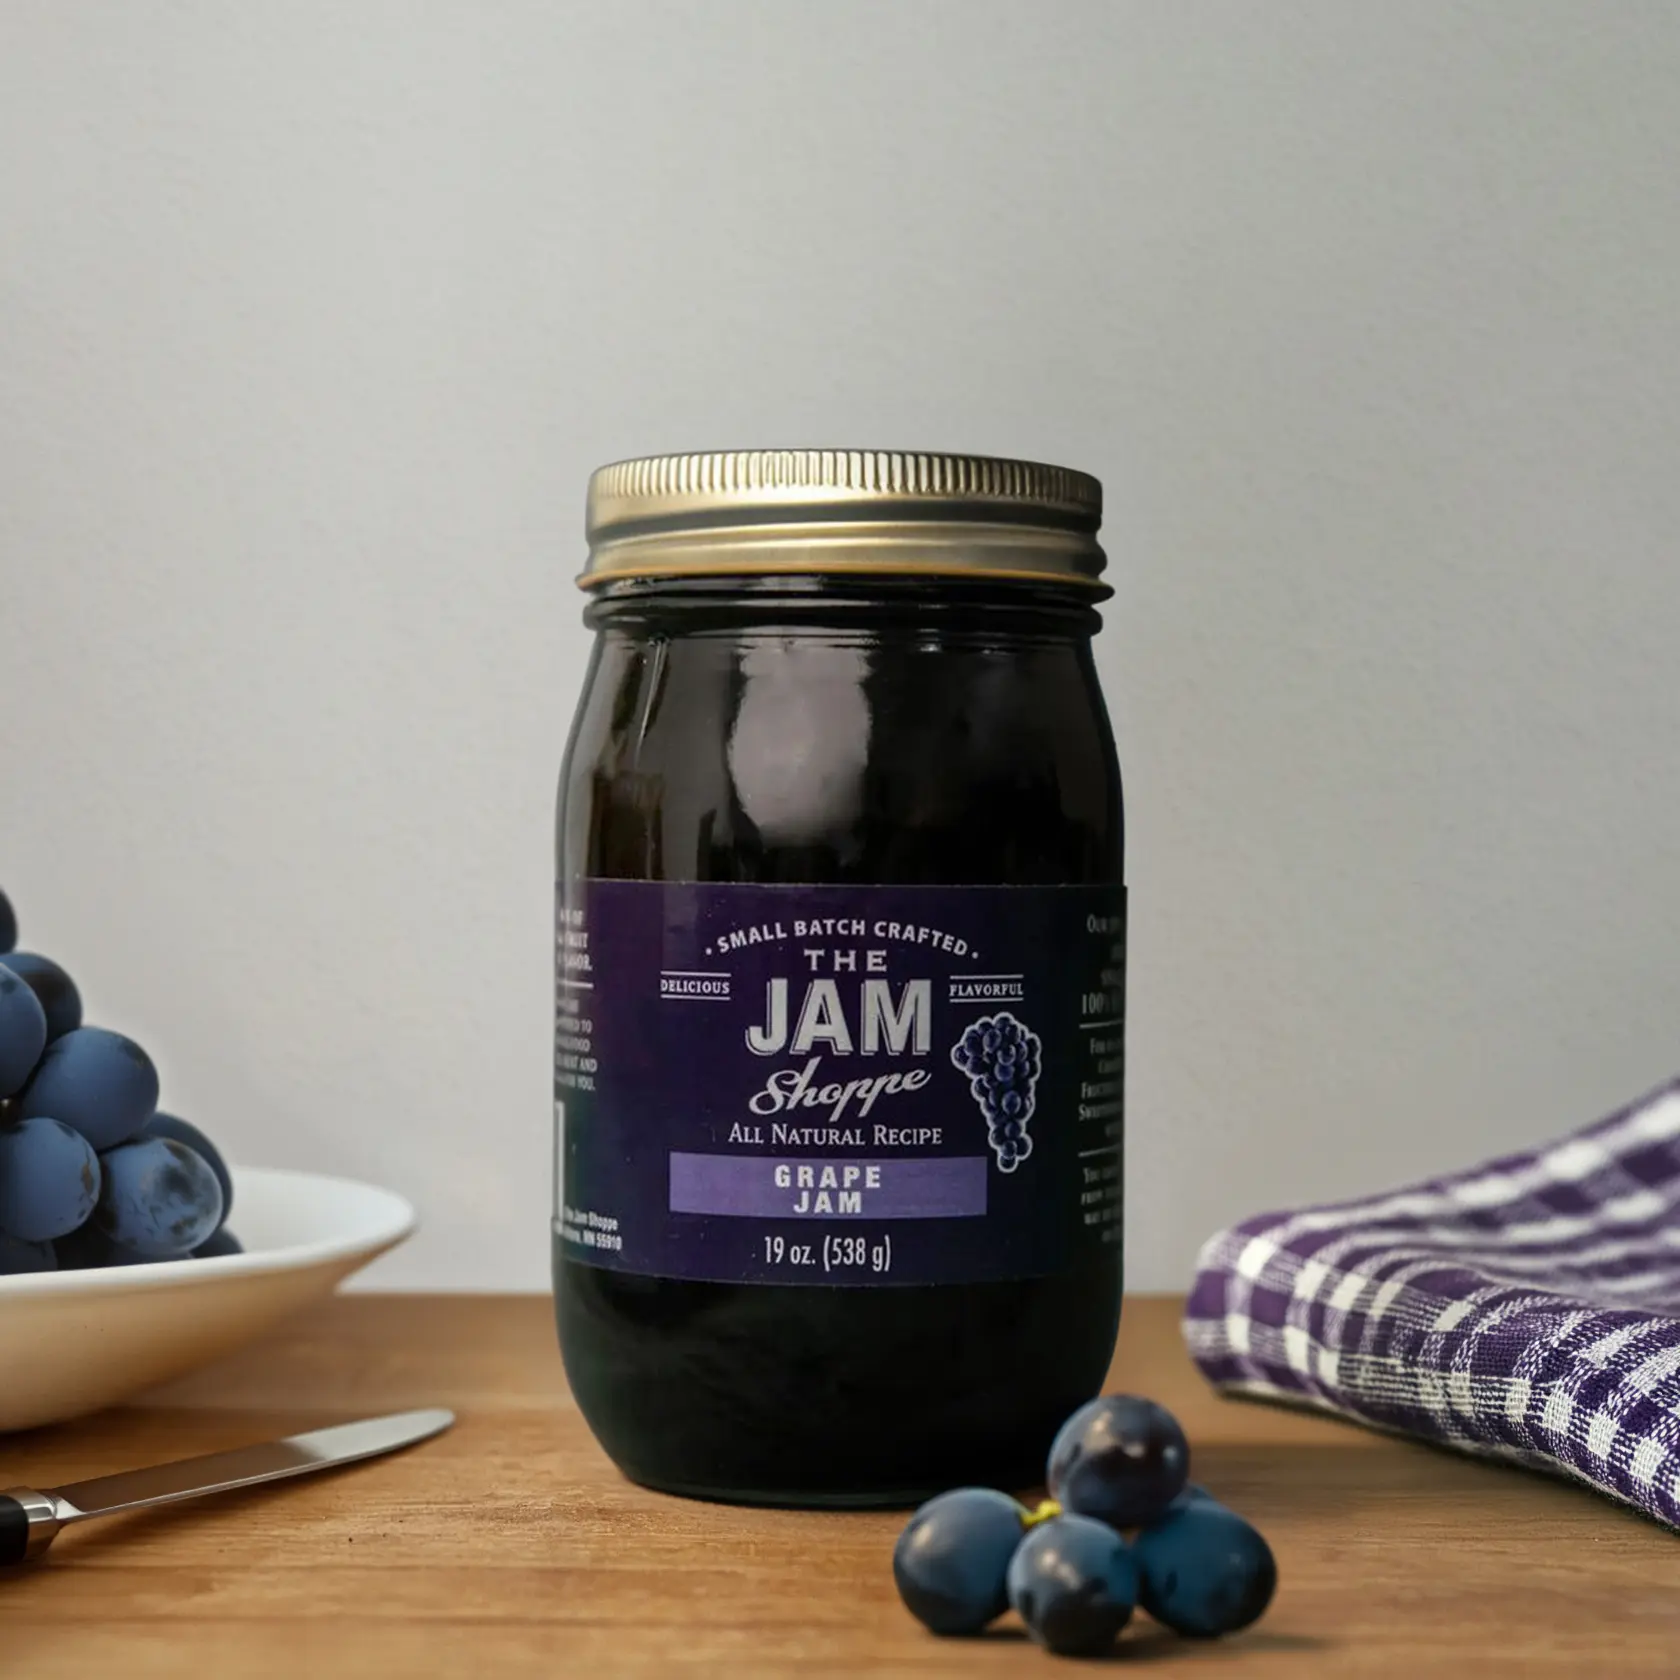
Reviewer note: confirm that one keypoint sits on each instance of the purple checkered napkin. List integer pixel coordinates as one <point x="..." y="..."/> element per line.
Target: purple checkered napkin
<point x="1528" y="1309"/>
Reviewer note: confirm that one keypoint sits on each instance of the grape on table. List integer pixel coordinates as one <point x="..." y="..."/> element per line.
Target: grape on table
<point x="1118" y="1463"/>
<point x="1074" y="1583"/>
<point x="1121" y="1459"/>
<point x="1205" y="1570"/>
<point x="951" y="1562"/>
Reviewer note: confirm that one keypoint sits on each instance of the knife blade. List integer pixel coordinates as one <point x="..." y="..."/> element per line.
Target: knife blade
<point x="30" y="1518"/>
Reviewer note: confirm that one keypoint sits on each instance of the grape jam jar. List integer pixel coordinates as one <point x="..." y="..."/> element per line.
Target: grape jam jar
<point x="840" y="965"/>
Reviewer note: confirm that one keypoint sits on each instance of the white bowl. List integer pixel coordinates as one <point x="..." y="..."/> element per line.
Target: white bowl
<point x="71" y="1342"/>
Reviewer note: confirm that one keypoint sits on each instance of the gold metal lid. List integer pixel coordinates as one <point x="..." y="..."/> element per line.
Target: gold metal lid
<point x="831" y="511"/>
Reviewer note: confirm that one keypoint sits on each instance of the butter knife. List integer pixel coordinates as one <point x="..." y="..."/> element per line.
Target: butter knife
<point x="31" y="1518"/>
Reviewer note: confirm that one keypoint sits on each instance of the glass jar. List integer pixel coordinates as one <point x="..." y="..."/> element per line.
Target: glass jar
<point x="840" y="961"/>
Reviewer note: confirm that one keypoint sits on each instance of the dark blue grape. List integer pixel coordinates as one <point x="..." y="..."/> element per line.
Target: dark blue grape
<point x="952" y="1561"/>
<point x="1120" y="1459"/>
<point x="159" y="1198"/>
<point x="8" y="924"/>
<point x="1010" y="1131"/>
<point x="184" y="1131"/>
<point x="1011" y="1103"/>
<point x="49" y="1180"/>
<point x="97" y="1081"/>
<point x="23" y="1032"/>
<point x="89" y="1248"/>
<point x="1205" y="1571"/>
<point x="223" y="1242"/>
<point x="990" y="1039"/>
<point x="1194" y="1494"/>
<point x="55" y="989"/>
<point x="1074" y="1583"/>
<point x="17" y="1257"/>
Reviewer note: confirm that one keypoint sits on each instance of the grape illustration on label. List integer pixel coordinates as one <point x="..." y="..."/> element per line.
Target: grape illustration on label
<point x="1001" y="1057"/>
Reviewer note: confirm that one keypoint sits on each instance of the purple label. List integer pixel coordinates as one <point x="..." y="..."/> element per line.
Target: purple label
<point x="760" y="1187"/>
<point x="838" y="1085"/>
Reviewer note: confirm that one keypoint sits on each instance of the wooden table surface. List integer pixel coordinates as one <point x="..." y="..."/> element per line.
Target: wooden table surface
<point x="509" y="1546"/>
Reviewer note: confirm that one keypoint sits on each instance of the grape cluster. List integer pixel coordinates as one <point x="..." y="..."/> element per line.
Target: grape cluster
<point x="1001" y="1057"/>
<point x="1117" y="1467"/>
<point x="91" y="1172"/>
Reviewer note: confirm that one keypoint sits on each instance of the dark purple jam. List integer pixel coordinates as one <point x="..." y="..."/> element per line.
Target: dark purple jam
<point x="837" y="732"/>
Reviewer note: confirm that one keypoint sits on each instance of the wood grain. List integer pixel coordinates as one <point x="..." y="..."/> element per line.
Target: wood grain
<point x="509" y="1547"/>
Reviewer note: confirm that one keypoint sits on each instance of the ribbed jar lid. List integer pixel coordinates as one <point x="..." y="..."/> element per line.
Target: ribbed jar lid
<point x="823" y="511"/>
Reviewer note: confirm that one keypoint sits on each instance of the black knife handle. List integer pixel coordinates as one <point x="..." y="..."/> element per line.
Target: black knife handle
<point x="14" y="1531"/>
<point x="29" y="1521"/>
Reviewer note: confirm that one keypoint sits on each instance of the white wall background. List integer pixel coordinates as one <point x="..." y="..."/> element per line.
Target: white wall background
<point x="314" y="317"/>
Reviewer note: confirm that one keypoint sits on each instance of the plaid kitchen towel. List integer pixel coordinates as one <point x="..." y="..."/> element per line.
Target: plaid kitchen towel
<point x="1528" y="1309"/>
